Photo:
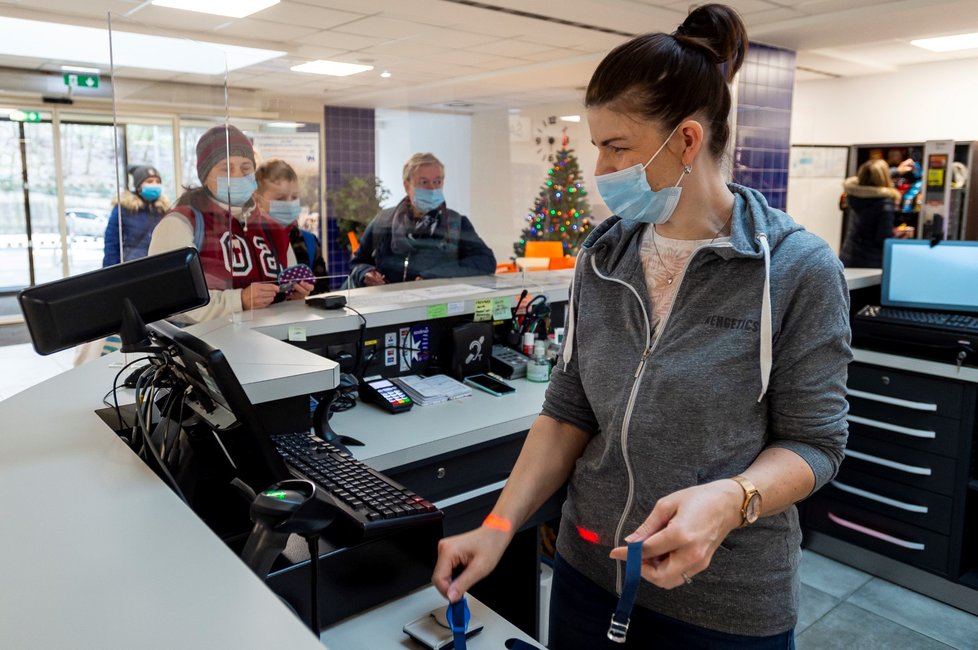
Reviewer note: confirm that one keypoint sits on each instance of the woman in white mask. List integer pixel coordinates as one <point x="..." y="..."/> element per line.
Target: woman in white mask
<point x="420" y="238"/>
<point x="242" y="251"/>
<point x="700" y="391"/>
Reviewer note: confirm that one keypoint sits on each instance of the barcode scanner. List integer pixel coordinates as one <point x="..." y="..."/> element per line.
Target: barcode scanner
<point x="293" y="506"/>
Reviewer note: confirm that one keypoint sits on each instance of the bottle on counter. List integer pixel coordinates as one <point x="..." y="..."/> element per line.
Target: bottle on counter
<point x="538" y="369"/>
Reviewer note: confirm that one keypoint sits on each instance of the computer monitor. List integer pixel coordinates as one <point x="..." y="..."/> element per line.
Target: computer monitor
<point x="941" y="277"/>
<point x="217" y="396"/>
<point x="88" y="306"/>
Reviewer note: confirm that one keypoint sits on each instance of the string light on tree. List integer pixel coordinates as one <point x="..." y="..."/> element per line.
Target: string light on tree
<point x="560" y="211"/>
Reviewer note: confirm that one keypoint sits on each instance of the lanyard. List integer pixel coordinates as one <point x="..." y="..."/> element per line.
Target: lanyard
<point x="458" y="616"/>
<point x="623" y="613"/>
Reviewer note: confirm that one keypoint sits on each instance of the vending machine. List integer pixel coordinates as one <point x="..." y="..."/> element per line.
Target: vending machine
<point x="939" y="185"/>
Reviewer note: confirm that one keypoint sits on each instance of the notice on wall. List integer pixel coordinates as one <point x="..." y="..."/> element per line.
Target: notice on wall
<point x="819" y="162"/>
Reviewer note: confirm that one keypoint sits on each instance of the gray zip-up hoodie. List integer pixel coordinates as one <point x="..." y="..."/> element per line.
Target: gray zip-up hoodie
<point x="753" y="354"/>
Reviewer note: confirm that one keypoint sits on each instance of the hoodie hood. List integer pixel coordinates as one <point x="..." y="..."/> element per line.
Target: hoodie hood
<point x="756" y="230"/>
<point x="135" y="203"/>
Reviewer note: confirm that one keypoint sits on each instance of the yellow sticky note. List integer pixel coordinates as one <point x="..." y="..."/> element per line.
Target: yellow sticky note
<point x="483" y="309"/>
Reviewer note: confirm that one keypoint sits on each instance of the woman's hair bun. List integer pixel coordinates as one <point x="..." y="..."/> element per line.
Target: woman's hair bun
<point x="719" y="32"/>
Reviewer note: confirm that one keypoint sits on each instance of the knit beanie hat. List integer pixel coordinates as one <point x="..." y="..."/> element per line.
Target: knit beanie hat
<point x="214" y="146"/>
<point x="140" y="173"/>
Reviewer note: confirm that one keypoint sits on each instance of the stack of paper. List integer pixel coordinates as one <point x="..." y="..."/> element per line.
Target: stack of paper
<point x="432" y="390"/>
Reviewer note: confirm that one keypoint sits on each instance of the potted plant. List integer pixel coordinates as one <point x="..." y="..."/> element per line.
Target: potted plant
<point x="355" y="203"/>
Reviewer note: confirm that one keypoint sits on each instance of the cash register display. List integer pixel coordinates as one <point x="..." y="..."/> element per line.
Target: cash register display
<point x="939" y="278"/>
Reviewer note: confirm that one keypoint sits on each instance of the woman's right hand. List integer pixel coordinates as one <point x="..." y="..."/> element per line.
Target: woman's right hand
<point x="478" y="551"/>
<point x="373" y="278"/>
<point x="258" y="295"/>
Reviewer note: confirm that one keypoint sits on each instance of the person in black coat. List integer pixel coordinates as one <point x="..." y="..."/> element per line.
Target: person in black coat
<point x="420" y="238"/>
<point x="871" y="202"/>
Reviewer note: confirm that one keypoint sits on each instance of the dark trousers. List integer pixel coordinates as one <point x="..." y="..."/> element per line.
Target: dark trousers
<point x="580" y="612"/>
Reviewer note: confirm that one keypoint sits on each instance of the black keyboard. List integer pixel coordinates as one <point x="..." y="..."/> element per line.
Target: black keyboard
<point x="930" y="319"/>
<point x="368" y="498"/>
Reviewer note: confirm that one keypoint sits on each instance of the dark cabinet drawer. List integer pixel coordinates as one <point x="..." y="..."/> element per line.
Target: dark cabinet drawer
<point x="922" y="431"/>
<point x="900" y="464"/>
<point x="894" y="500"/>
<point x="468" y="469"/>
<point x="901" y="541"/>
<point x="906" y="391"/>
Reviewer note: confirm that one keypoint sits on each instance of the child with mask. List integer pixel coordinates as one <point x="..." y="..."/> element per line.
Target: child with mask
<point x="139" y="211"/>
<point x="242" y="250"/>
<point x="278" y="197"/>
<point x="420" y="238"/>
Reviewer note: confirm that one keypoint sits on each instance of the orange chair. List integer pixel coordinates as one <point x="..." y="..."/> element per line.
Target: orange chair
<point x="552" y="249"/>
<point x="506" y="267"/>
<point x="354" y="242"/>
<point x="544" y="249"/>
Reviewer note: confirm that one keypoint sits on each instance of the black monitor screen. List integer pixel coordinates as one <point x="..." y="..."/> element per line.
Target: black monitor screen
<point x="924" y="276"/>
<point x="88" y="306"/>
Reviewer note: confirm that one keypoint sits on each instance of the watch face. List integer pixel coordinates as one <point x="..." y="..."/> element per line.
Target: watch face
<point x="753" y="509"/>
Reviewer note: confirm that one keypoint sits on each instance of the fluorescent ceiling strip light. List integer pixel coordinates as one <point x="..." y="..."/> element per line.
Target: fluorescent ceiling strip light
<point x="230" y="8"/>
<point x="80" y="69"/>
<point x="570" y="118"/>
<point x="55" y="41"/>
<point x="948" y="43"/>
<point x="331" y="68"/>
<point x="286" y="125"/>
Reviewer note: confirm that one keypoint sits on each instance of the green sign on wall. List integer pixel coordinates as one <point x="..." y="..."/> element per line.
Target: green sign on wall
<point x="81" y="80"/>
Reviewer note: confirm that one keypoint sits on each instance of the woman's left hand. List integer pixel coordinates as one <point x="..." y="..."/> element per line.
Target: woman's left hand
<point x="300" y="290"/>
<point x="684" y="530"/>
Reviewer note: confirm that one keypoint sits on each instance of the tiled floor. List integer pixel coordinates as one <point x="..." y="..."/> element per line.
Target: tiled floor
<point x="841" y="607"/>
<point x="844" y="608"/>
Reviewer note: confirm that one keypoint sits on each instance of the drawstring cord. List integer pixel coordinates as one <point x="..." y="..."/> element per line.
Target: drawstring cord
<point x="766" y="324"/>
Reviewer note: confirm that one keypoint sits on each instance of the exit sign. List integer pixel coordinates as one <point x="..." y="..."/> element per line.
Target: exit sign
<point x="81" y="80"/>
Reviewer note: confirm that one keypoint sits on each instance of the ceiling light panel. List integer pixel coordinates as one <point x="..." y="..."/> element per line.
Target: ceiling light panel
<point x="230" y="8"/>
<point x="58" y="42"/>
<point x="948" y="43"/>
<point x="331" y="68"/>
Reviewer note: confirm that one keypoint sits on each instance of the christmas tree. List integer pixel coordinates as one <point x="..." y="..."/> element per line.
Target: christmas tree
<point x="561" y="211"/>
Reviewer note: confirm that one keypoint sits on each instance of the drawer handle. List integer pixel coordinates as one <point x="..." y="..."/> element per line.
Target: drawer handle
<point x="896" y="428"/>
<point x="896" y="401"/>
<point x="892" y="464"/>
<point x="471" y="494"/>
<point x="896" y="541"/>
<point x="909" y="507"/>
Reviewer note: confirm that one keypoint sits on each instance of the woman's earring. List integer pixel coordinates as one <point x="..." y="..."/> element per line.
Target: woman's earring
<point x="687" y="169"/>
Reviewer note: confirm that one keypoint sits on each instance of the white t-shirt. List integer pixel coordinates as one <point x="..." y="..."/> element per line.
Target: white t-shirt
<point x="664" y="271"/>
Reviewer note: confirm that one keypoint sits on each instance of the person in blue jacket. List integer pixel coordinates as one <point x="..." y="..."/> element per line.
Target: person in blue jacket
<point x="701" y="388"/>
<point x="420" y="238"/>
<point x="141" y="210"/>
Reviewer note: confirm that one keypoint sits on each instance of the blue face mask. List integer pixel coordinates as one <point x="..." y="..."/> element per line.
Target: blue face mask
<point x="285" y="212"/>
<point x="427" y="200"/>
<point x="239" y="189"/>
<point x="150" y="192"/>
<point x="627" y="193"/>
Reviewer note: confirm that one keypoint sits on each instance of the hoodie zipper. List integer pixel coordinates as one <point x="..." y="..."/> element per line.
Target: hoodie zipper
<point x="639" y="371"/>
<point x="406" y="260"/>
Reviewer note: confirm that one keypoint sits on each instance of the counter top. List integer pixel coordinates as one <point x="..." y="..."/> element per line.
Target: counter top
<point x="862" y="278"/>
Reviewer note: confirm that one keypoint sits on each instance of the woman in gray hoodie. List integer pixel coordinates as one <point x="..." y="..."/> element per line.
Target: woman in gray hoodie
<point x="701" y="389"/>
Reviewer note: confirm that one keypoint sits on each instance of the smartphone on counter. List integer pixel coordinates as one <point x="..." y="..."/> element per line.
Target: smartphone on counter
<point x="490" y="384"/>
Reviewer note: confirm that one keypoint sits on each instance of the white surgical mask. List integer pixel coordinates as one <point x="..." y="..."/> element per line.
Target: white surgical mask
<point x="627" y="192"/>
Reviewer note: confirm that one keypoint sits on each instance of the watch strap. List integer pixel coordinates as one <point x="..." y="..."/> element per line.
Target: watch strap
<point x="749" y="492"/>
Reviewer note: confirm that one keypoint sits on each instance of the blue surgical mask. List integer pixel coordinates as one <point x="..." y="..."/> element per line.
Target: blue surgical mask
<point x="427" y="200"/>
<point x="239" y="189"/>
<point x="285" y="212"/>
<point x="150" y="192"/>
<point x="627" y="193"/>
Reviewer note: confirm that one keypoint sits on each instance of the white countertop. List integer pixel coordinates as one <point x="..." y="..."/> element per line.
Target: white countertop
<point x="862" y="278"/>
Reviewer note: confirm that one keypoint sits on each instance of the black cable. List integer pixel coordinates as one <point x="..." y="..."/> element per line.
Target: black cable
<point x="362" y="337"/>
<point x="115" y="396"/>
<point x="148" y="443"/>
<point x="313" y="541"/>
